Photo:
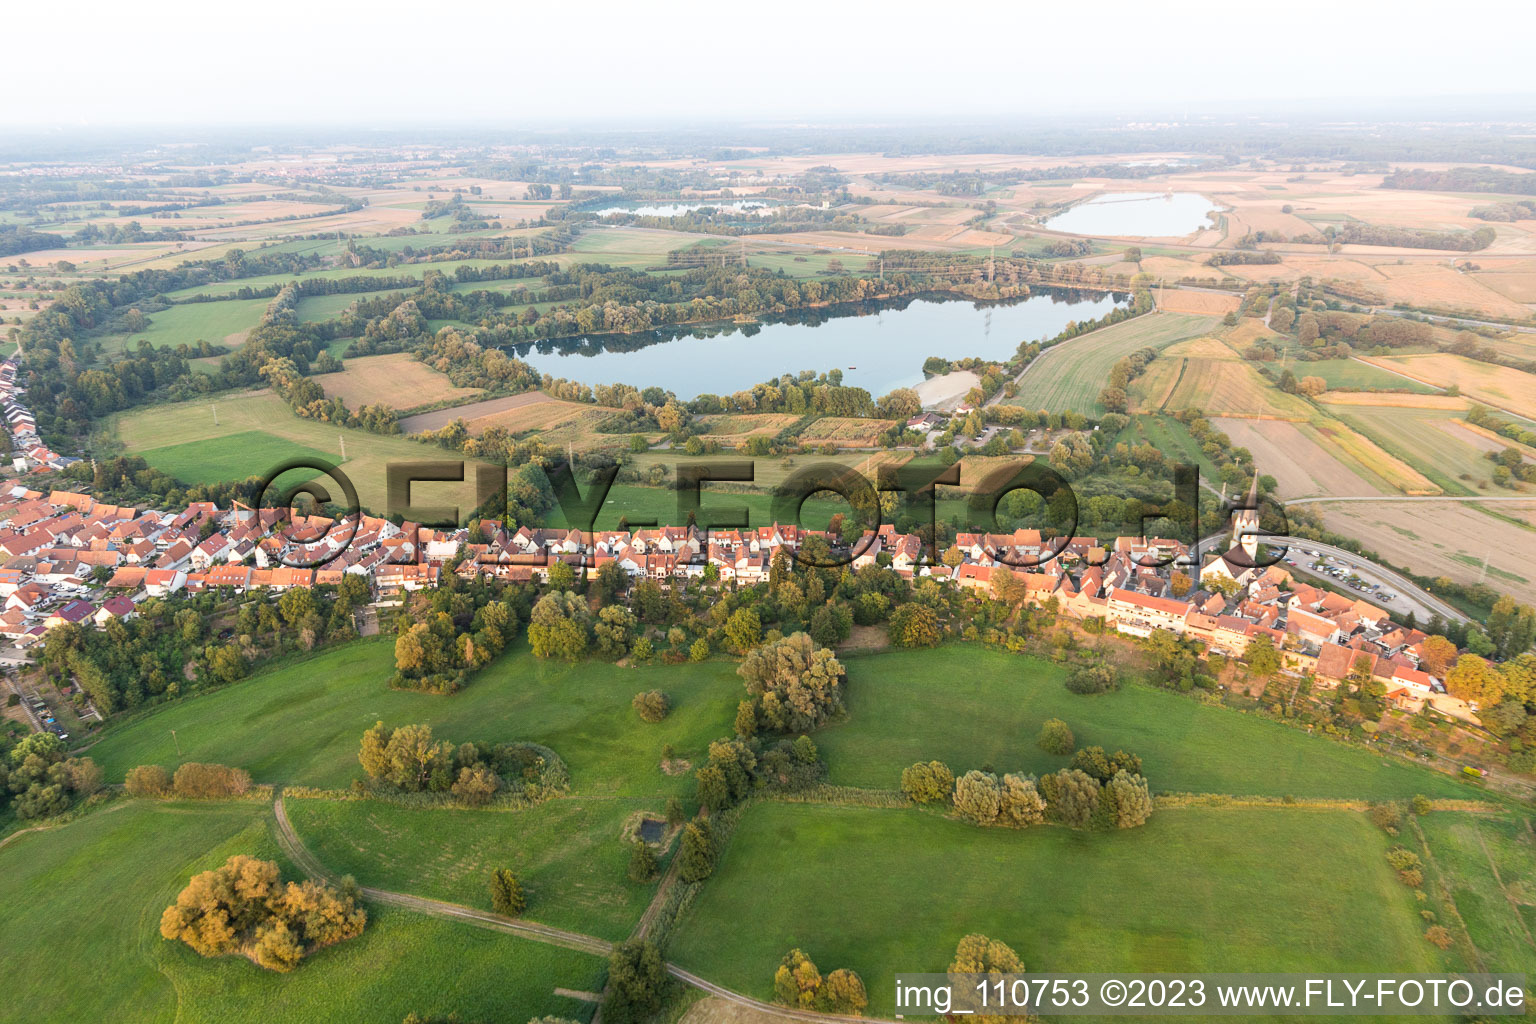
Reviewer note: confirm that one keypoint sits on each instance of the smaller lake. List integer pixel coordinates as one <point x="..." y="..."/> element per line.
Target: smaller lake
<point x="877" y="346"/>
<point x="1137" y="214"/>
<point x="756" y="206"/>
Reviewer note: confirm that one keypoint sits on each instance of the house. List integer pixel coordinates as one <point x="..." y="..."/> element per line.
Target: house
<point x="70" y="614"/>
<point x="1139" y="614"/>
<point x="119" y="607"/>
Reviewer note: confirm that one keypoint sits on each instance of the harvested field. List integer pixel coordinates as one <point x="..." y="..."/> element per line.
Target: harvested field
<point x="1179" y="300"/>
<point x="399" y="381"/>
<point x="1369" y="459"/>
<point x="1497" y="386"/>
<point x="440" y="418"/>
<point x="1444" y="539"/>
<point x="1442" y="287"/>
<point x="1300" y="465"/>
<point x="846" y="431"/>
<point x="1225" y="386"/>
<point x="731" y="428"/>
<point x="1517" y="287"/>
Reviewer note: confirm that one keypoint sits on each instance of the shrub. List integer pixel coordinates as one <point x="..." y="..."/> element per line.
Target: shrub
<point x="978" y="796"/>
<point x="1438" y="935"/>
<point x="1386" y="817"/>
<point x="244" y="907"/>
<point x="696" y="858"/>
<point x="1411" y="877"/>
<point x="652" y="705"/>
<point x="1056" y="737"/>
<point x="507" y="895"/>
<point x="148" y="780"/>
<point x="195" y="781"/>
<point x="642" y="862"/>
<point x="927" y="783"/>
<point x="915" y="625"/>
<point x="1401" y="858"/>
<point x="1098" y="678"/>
<point x="1420" y="805"/>
<point x="1131" y="798"/>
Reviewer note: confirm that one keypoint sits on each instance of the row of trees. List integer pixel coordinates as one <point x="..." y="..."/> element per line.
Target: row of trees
<point x="1111" y="797"/>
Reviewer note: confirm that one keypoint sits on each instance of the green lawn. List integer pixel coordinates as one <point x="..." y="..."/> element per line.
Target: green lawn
<point x="968" y="707"/>
<point x="301" y="723"/>
<point x="887" y="891"/>
<point x="86" y="900"/>
<point x="567" y="853"/>
<point x="1069" y="376"/>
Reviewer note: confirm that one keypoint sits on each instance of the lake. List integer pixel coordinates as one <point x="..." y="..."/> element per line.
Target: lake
<point x="1137" y="214"/>
<point x="878" y="346"/>
<point x="678" y="209"/>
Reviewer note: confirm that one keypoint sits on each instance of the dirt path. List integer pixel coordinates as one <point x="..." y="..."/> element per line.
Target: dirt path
<point x="294" y="847"/>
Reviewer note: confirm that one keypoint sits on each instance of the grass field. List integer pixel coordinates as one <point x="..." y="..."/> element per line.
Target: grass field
<point x="1432" y="440"/>
<point x="90" y="894"/>
<point x="1368" y="459"/>
<point x="213" y="322"/>
<point x="1070" y="375"/>
<point x="1489" y="865"/>
<point x="1352" y="375"/>
<point x="400" y="381"/>
<point x="1499" y="386"/>
<point x="884" y="891"/>
<point x="231" y="457"/>
<point x="255" y="429"/>
<point x="568" y="854"/>
<point x="910" y="706"/>
<point x="301" y="723"/>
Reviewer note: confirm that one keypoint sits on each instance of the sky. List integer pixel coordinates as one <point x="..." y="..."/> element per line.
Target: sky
<point x="102" y="63"/>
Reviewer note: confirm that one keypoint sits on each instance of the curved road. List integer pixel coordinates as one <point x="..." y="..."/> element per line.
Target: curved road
<point x="301" y="856"/>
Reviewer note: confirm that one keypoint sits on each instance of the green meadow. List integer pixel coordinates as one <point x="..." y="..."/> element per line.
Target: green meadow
<point x="90" y="894"/>
<point x="889" y="891"/>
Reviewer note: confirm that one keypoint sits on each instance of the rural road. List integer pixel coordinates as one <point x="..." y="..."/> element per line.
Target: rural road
<point x="1527" y="498"/>
<point x="1409" y="595"/>
<point x="302" y="858"/>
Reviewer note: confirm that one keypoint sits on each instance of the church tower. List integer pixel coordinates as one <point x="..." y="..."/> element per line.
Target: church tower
<point x="1245" y="522"/>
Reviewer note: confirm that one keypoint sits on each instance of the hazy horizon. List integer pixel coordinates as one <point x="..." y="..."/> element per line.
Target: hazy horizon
<point x="494" y="66"/>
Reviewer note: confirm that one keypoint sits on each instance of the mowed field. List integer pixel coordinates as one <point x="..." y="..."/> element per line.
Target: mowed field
<point x="91" y="893"/>
<point x="890" y="891"/>
<point x="1446" y="539"/>
<point x="1493" y="385"/>
<point x="242" y="434"/>
<point x="399" y="381"/>
<point x="1070" y="375"/>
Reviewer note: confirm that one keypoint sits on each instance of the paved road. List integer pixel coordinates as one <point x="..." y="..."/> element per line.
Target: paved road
<point x="1408" y="595"/>
<point x="294" y="847"/>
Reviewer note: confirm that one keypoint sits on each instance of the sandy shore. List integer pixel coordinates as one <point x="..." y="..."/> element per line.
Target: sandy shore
<point x="946" y="392"/>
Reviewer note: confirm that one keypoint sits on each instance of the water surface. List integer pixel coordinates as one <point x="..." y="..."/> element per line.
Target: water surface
<point x="877" y="346"/>
<point x="1137" y="214"/>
